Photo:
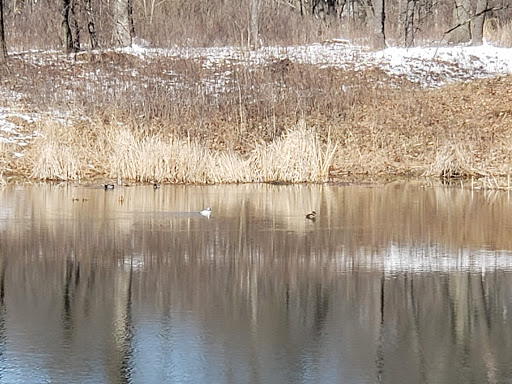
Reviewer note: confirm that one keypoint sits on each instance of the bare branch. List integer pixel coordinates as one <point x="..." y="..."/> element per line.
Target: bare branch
<point x="476" y="16"/>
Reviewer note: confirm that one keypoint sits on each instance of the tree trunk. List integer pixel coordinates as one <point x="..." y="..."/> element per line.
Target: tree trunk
<point x="379" y="18"/>
<point x="331" y="8"/>
<point x="341" y="4"/>
<point x="409" y="23"/>
<point x="255" y="23"/>
<point x="91" y="25"/>
<point x="368" y="10"/>
<point x="477" y="25"/>
<point x="400" y="23"/>
<point x="130" y="18"/>
<point x="3" y="46"/>
<point x="461" y="12"/>
<point x="75" y="35"/>
<point x="67" y="37"/>
<point x="122" y="36"/>
<point x="297" y="6"/>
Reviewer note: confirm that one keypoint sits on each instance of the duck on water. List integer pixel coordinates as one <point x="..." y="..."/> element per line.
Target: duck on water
<point x="206" y="212"/>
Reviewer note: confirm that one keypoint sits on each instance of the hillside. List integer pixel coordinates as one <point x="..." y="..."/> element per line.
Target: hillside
<point x="339" y="110"/>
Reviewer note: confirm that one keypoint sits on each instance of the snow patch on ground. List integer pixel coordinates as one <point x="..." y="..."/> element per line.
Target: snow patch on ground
<point x="438" y="66"/>
<point x="10" y="132"/>
<point x="429" y="66"/>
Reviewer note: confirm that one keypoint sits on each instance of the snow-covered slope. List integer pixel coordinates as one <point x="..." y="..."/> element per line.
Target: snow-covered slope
<point x="431" y="66"/>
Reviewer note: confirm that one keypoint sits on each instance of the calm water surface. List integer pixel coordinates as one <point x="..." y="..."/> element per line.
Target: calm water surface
<point x="391" y="284"/>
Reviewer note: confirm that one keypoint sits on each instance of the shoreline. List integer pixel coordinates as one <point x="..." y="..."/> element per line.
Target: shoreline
<point x="503" y="183"/>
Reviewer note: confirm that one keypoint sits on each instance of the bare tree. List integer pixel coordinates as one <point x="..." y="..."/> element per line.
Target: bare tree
<point x="324" y="8"/>
<point x="368" y="9"/>
<point x="254" y="23"/>
<point x="70" y="43"/>
<point x="297" y="5"/>
<point x="123" y="24"/>
<point x="409" y="22"/>
<point x="65" y="28"/>
<point x="130" y="18"/>
<point x="379" y="18"/>
<point x="477" y="25"/>
<point x="3" y="46"/>
<point x="91" y="25"/>
<point x="460" y="33"/>
<point x="74" y="23"/>
<point x="340" y="7"/>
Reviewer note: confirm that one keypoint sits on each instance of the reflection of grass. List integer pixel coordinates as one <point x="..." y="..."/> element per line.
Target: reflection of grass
<point x="398" y="213"/>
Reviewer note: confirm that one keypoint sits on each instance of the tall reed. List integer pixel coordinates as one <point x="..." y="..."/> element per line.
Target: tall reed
<point x="298" y="156"/>
<point x="119" y="152"/>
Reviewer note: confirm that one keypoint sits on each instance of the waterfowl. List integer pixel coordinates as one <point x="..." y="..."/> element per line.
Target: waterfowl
<point x="156" y="185"/>
<point x="206" y="212"/>
<point x="109" y="186"/>
<point x="311" y="216"/>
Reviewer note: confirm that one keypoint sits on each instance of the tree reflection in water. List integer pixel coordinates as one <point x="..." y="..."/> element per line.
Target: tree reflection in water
<point x="396" y="283"/>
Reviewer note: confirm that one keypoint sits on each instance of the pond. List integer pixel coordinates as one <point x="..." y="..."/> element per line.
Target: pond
<point x="397" y="283"/>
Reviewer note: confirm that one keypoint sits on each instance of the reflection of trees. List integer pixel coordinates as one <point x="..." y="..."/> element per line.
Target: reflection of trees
<point x="276" y="281"/>
<point x="120" y="347"/>
<point x="472" y="319"/>
<point x="379" y="361"/>
<point x="445" y="328"/>
<point x="3" y="310"/>
<point x="71" y="280"/>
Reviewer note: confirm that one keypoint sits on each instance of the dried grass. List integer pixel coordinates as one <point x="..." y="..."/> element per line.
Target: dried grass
<point x="299" y="156"/>
<point x="118" y="152"/>
<point x="453" y="161"/>
<point x="55" y="155"/>
<point x="460" y="130"/>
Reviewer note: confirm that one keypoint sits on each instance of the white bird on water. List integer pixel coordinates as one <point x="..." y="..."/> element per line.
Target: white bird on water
<point x="206" y="212"/>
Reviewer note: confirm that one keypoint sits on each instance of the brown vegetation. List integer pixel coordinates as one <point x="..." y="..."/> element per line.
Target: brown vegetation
<point x="180" y="120"/>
